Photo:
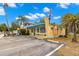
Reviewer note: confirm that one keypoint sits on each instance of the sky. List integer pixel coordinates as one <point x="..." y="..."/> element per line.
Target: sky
<point x="37" y="11"/>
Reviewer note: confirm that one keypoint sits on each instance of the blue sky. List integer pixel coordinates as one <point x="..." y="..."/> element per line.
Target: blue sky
<point x="37" y="11"/>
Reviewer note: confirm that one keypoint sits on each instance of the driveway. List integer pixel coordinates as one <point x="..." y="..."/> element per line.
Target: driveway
<point x="26" y="46"/>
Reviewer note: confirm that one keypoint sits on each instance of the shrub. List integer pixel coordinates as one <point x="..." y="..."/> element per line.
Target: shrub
<point x="61" y="35"/>
<point x="23" y="32"/>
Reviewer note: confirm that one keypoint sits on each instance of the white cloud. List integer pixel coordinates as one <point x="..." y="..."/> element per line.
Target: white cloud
<point x="11" y="4"/>
<point x="46" y="9"/>
<point x="29" y="17"/>
<point x="2" y="12"/>
<point x="35" y="16"/>
<point x="17" y="18"/>
<point x="64" y="5"/>
<point x="40" y="14"/>
<point x="56" y="17"/>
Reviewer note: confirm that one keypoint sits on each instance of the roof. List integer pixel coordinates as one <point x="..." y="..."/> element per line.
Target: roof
<point x="33" y="26"/>
<point x="28" y="23"/>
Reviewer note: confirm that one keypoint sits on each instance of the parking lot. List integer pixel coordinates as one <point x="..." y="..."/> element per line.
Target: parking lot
<point x="25" y="46"/>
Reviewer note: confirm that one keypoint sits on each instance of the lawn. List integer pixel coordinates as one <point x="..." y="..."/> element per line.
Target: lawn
<point x="70" y="48"/>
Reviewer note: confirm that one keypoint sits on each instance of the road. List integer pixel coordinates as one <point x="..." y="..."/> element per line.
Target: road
<point x="25" y="46"/>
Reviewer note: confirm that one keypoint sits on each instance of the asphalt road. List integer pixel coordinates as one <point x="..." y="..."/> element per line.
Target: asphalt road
<point x="25" y="46"/>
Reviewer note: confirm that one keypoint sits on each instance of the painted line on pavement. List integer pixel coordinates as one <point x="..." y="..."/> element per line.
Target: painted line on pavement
<point x="54" y="50"/>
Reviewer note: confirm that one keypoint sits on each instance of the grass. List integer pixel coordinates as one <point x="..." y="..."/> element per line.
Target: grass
<point x="70" y="48"/>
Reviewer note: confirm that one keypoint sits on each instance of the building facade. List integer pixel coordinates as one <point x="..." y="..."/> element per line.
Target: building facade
<point x="45" y="30"/>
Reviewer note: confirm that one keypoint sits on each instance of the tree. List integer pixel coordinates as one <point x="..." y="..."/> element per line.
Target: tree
<point x="5" y="5"/>
<point x="3" y="27"/>
<point x="65" y="21"/>
<point x="14" y="26"/>
<point x="73" y="22"/>
<point x="39" y="22"/>
<point x="60" y="26"/>
<point x="70" y="19"/>
<point x="42" y="21"/>
<point x="77" y="22"/>
<point x="22" y="19"/>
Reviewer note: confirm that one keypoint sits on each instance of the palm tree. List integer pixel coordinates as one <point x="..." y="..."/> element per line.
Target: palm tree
<point x="77" y="22"/>
<point x="70" y="19"/>
<point x="5" y="5"/>
<point x="14" y="26"/>
<point x="22" y="19"/>
<point x="74" y="26"/>
<point x="42" y="21"/>
<point x="39" y="22"/>
<point x="65" y="21"/>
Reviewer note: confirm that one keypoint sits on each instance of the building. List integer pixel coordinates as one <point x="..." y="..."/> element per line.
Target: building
<point x="45" y="30"/>
<point x="24" y="25"/>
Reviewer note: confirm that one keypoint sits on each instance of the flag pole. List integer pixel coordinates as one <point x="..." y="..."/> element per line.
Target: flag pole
<point x="50" y="14"/>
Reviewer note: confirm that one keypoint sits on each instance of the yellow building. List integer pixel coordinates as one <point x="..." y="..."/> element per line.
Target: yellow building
<point x="45" y="30"/>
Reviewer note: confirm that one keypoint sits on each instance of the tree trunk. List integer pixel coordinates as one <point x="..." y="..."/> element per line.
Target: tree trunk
<point x="66" y="30"/>
<point x="6" y="17"/>
<point x="74" y="31"/>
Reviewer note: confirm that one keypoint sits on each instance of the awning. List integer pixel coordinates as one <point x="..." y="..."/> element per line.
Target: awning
<point x="34" y="26"/>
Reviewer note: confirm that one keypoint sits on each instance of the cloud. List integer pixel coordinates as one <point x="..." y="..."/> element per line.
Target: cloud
<point x="46" y="9"/>
<point x="10" y="4"/>
<point x="40" y="14"/>
<point x="63" y="5"/>
<point x="35" y="16"/>
<point x="66" y="5"/>
<point x="29" y="17"/>
<point x="2" y="12"/>
<point x="17" y="18"/>
<point x="56" y="17"/>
